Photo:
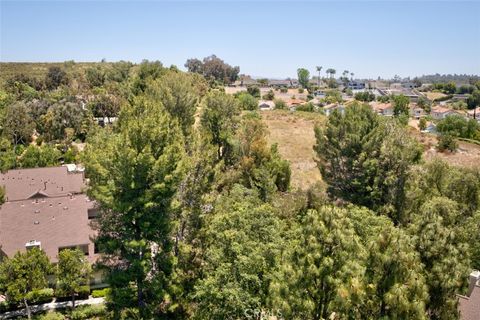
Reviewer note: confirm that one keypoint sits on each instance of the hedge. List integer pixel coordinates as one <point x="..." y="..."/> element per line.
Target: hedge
<point x="100" y="293"/>
<point x="88" y="312"/>
<point x="40" y="296"/>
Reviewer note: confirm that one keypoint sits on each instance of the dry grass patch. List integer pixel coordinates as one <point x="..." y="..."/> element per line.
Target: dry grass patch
<point x="434" y="95"/>
<point x="293" y="132"/>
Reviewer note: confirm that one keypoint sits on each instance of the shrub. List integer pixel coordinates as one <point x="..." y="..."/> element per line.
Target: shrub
<point x="52" y="316"/>
<point x="308" y="107"/>
<point x="280" y="104"/>
<point x="300" y="90"/>
<point x="422" y="124"/>
<point x="4" y="306"/>
<point x="447" y="142"/>
<point x="364" y="96"/>
<point x="100" y="293"/>
<point x="254" y="91"/>
<point x="383" y="99"/>
<point x="247" y="102"/>
<point x="88" y="312"/>
<point x="83" y="293"/>
<point x="283" y="90"/>
<point x="40" y="296"/>
<point x="269" y="95"/>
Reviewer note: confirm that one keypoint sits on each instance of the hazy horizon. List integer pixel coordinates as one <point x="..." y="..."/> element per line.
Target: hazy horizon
<point x="265" y="39"/>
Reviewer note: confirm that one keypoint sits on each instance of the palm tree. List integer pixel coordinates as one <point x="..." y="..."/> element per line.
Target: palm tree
<point x="351" y="75"/>
<point x="332" y="72"/>
<point x="319" y="68"/>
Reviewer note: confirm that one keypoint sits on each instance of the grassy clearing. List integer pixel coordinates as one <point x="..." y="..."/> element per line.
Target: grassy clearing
<point x="293" y="132"/>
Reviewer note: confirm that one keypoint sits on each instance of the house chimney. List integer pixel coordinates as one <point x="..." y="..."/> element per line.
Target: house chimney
<point x="472" y="281"/>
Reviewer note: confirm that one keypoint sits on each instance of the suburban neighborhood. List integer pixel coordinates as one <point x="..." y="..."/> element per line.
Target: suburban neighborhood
<point x="257" y="160"/>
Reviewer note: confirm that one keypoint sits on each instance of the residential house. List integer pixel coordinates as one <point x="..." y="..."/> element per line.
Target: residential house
<point x="384" y="109"/>
<point x="356" y="85"/>
<point x="329" y="108"/>
<point x="469" y="305"/>
<point x="416" y="112"/>
<point x="46" y="208"/>
<point x="280" y="83"/>
<point x="431" y="128"/>
<point x="294" y="103"/>
<point x="441" y="112"/>
<point x="408" y="85"/>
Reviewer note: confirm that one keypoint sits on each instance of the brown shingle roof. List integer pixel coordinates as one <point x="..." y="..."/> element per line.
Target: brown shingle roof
<point x="53" y="181"/>
<point x="470" y="306"/>
<point x="53" y="217"/>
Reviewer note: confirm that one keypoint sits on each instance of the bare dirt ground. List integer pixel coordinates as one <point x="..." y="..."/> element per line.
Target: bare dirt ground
<point x="467" y="155"/>
<point x="293" y="132"/>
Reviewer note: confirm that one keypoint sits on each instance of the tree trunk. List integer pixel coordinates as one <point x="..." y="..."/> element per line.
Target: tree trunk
<point x="73" y="300"/>
<point x="27" y="307"/>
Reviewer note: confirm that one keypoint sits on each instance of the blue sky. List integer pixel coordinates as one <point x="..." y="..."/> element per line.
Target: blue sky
<point x="369" y="38"/>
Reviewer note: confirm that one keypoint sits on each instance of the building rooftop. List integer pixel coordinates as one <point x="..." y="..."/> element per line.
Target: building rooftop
<point x="50" y="182"/>
<point x="45" y="208"/>
<point x="469" y="305"/>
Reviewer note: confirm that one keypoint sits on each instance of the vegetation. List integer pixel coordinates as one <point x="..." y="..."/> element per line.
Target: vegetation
<point x="24" y="274"/>
<point x="364" y="96"/>
<point x="198" y="219"/>
<point x="73" y="272"/>
<point x="303" y="77"/>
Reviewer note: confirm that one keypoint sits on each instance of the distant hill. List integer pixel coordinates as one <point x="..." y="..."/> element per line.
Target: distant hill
<point x="457" y="78"/>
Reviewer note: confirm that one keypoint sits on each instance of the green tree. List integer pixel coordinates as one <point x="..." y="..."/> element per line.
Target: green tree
<point x="8" y="158"/>
<point x="364" y="96"/>
<point x="247" y="102"/>
<point x="220" y="120"/>
<point x="458" y="126"/>
<point x="355" y="152"/>
<point x="303" y="77"/>
<point x="261" y="167"/>
<point x="18" y="126"/>
<point x="135" y="172"/>
<point x="473" y="100"/>
<point x="73" y="272"/>
<point x="44" y="156"/>
<point x="444" y="256"/>
<point x="447" y="142"/>
<point x="24" y="273"/>
<point x="422" y="124"/>
<point x="254" y="91"/>
<point x="322" y="269"/>
<point x="180" y="94"/>
<point x="242" y="242"/>
<point x="395" y="285"/>
<point x="400" y="105"/>
<point x="61" y="116"/>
